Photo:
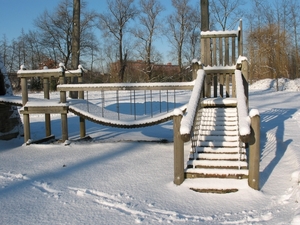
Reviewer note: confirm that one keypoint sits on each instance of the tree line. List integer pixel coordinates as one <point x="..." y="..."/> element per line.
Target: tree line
<point x="129" y="29"/>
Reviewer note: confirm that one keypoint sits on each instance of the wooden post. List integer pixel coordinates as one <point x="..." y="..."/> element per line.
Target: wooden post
<point x="47" y="115"/>
<point x="24" y="90"/>
<point x="63" y="99"/>
<point x="178" y="151"/>
<point x="26" y="122"/>
<point x="195" y="68"/>
<point x="240" y="39"/>
<point x="254" y="152"/>
<point x="245" y="77"/>
<point x="81" y="120"/>
<point x="26" y="119"/>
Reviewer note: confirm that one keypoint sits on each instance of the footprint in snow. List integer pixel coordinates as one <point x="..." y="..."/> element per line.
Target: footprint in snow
<point x="46" y="189"/>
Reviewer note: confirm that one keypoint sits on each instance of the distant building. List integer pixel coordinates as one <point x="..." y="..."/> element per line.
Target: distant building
<point x="136" y="72"/>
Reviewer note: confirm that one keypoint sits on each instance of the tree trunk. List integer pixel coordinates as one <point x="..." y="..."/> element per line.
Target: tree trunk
<point x="75" y="43"/>
<point x="205" y="43"/>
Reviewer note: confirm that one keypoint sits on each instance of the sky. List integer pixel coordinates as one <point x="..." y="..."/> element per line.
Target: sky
<point x="18" y="15"/>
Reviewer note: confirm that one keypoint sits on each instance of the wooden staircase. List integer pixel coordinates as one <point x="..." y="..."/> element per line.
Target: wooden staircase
<point x="217" y="161"/>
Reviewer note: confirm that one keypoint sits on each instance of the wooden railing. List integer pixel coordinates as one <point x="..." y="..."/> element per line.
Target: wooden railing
<point x="151" y="92"/>
<point x="221" y="48"/>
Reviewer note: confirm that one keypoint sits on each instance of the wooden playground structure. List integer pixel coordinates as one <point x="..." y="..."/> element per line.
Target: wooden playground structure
<point x="219" y="100"/>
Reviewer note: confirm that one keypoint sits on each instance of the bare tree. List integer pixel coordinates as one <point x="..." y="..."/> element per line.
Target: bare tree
<point x="56" y="30"/>
<point x="191" y="48"/>
<point x="114" y="23"/>
<point x="226" y="13"/>
<point x="146" y="31"/>
<point x="178" y="25"/>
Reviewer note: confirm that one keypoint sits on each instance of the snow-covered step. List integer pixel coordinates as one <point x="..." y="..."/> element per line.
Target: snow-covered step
<point x="218" y="143"/>
<point x="215" y="185"/>
<point x="217" y="150"/>
<point x="221" y="119"/>
<point x="221" y="164"/>
<point x="217" y="138"/>
<point x="218" y="132"/>
<point x="221" y="110"/>
<point x="218" y="123"/>
<point x="220" y="173"/>
<point x="213" y="156"/>
<point x="212" y="127"/>
<point x="219" y="102"/>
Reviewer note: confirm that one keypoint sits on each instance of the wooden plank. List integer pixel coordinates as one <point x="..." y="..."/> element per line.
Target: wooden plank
<point x="214" y="45"/>
<point x="42" y="140"/>
<point x="226" y="51"/>
<point x="233" y="86"/>
<point x="215" y="34"/>
<point x="221" y="52"/>
<point x="215" y="80"/>
<point x="86" y="87"/>
<point x="44" y="110"/>
<point x="233" y="51"/>
<point x="221" y="85"/>
<point x="227" y="85"/>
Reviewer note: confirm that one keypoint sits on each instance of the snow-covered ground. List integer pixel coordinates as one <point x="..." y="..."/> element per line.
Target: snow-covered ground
<point x="125" y="176"/>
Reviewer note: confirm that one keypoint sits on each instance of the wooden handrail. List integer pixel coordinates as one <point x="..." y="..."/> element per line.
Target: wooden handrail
<point x="188" y="119"/>
<point x="242" y="101"/>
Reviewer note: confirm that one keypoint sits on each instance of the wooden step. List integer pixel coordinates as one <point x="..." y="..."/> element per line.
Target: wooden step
<point x="218" y="132"/>
<point x="217" y="143"/>
<point x="219" y="127"/>
<point x="217" y="138"/>
<point x="217" y="164"/>
<point x="218" y="123"/>
<point x="214" y="156"/>
<point x="220" y="119"/>
<point x="216" y="173"/>
<point x="220" y="102"/>
<point x="219" y="150"/>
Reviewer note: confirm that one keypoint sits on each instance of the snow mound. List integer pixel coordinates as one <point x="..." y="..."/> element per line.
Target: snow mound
<point x="284" y="84"/>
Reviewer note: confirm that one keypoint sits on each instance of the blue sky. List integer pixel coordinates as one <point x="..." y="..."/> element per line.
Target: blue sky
<point x="16" y="15"/>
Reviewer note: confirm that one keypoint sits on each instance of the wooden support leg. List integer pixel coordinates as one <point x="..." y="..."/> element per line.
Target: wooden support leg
<point x="82" y="127"/>
<point x="26" y="127"/>
<point x="178" y="152"/>
<point x="64" y="127"/>
<point x="254" y="153"/>
<point x="48" y="125"/>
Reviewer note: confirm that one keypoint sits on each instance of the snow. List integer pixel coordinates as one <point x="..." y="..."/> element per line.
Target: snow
<point x="227" y="32"/>
<point x="125" y="176"/>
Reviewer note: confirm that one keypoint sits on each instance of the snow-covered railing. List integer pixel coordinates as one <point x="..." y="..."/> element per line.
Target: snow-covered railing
<point x="221" y="48"/>
<point x="242" y="99"/>
<point x="188" y="119"/>
<point x="134" y="98"/>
